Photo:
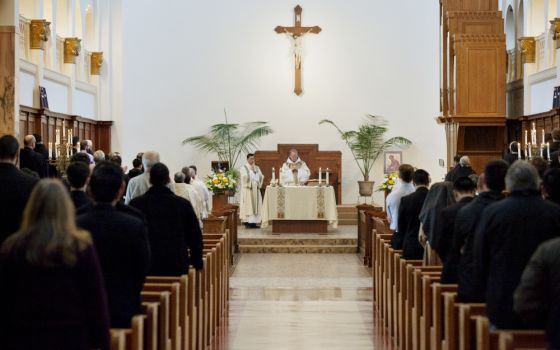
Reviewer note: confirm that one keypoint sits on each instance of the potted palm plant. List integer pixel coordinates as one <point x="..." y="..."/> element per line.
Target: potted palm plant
<point x="230" y="141"/>
<point x="366" y="144"/>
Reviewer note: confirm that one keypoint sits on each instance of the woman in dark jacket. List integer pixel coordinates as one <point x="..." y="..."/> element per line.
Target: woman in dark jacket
<point x="51" y="288"/>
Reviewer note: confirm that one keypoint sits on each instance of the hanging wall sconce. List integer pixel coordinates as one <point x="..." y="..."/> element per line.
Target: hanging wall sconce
<point x="72" y="49"/>
<point x="96" y="63"/>
<point x="527" y="47"/>
<point x="555" y="24"/>
<point x="40" y="32"/>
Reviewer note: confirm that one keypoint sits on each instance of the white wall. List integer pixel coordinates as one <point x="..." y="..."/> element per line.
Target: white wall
<point x="192" y="58"/>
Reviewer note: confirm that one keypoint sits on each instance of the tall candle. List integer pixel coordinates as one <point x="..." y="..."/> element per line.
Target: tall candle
<point x="534" y="135"/>
<point x="548" y="151"/>
<point x="519" y="150"/>
<point x="541" y="149"/>
<point x="525" y="137"/>
<point x="320" y="176"/>
<point x="328" y="177"/>
<point x="273" y="174"/>
<point x="543" y="140"/>
<point x="530" y="151"/>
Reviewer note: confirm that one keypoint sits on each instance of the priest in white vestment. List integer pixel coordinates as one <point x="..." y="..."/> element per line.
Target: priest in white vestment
<point x="250" y="200"/>
<point x="294" y="171"/>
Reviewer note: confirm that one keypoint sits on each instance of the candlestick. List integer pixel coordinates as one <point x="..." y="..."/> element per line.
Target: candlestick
<point x="534" y="135"/>
<point x="548" y="150"/>
<point x="320" y="176"/>
<point x="525" y="137"/>
<point x="519" y="150"/>
<point x="328" y="183"/>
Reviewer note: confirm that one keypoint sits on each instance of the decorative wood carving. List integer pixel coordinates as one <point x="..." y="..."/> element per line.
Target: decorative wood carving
<point x="297" y="31"/>
<point x="555" y="23"/>
<point x="527" y="47"/>
<point x="45" y="123"/>
<point x="314" y="158"/>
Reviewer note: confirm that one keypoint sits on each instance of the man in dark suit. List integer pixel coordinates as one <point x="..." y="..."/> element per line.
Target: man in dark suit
<point x="32" y="160"/>
<point x="15" y="187"/>
<point x="409" y="210"/>
<point x="463" y="191"/>
<point x="555" y="144"/>
<point x="172" y="224"/>
<point x="464" y="169"/>
<point x="458" y="266"/>
<point x="78" y="176"/>
<point x="41" y="149"/>
<point x="508" y="234"/>
<point x="121" y="243"/>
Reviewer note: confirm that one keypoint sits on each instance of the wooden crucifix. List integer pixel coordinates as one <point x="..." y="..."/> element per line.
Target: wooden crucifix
<point x="297" y="32"/>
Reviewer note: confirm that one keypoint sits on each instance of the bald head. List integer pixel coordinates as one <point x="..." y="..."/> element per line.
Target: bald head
<point x="29" y="141"/>
<point x="149" y="159"/>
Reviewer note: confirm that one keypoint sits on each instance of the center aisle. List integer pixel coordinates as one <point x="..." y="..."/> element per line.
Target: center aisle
<point x="300" y="301"/>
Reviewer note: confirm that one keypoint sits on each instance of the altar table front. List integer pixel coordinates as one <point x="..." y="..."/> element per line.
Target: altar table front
<point x="299" y="208"/>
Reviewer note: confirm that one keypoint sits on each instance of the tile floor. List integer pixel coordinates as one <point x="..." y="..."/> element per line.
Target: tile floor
<point x="301" y="301"/>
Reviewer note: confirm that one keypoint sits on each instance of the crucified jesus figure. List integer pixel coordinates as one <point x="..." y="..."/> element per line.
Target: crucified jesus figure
<point x="297" y="32"/>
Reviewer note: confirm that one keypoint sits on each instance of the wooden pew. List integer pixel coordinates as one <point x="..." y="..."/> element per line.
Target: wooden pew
<point x="438" y="314"/>
<point x="507" y="339"/>
<point x="163" y="325"/>
<point x="175" y="301"/>
<point x="467" y="328"/>
<point x="118" y="339"/>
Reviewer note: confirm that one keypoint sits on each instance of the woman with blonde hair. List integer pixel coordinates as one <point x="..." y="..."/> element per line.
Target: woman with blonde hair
<point x="51" y="286"/>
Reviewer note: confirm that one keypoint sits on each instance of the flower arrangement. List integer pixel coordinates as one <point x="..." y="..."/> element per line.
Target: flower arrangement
<point x="220" y="182"/>
<point x="388" y="183"/>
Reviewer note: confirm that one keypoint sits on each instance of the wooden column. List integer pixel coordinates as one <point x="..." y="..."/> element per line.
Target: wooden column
<point x="7" y="79"/>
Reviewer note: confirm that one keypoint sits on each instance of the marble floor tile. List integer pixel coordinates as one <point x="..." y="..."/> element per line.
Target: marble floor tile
<point x="293" y="301"/>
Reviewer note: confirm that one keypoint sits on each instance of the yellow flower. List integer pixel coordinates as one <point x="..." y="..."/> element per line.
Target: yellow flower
<point x="225" y="180"/>
<point x="215" y="181"/>
<point x="391" y="182"/>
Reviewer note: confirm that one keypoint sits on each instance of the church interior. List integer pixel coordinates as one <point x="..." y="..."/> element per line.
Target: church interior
<point x="318" y="174"/>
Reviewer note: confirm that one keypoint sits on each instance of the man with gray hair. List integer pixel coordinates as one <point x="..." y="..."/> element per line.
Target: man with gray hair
<point x="29" y="159"/>
<point x="507" y="235"/>
<point x="463" y="169"/>
<point x="141" y="183"/>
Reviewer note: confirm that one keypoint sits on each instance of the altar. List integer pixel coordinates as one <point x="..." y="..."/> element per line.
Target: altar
<point x="299" y="209"/>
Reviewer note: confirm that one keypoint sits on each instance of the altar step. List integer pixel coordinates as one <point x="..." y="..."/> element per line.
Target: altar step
<point x="347" y="214"/>
<point x="316" y="245"/>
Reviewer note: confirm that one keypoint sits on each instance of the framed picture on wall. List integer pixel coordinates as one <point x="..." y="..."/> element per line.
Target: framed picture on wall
<point x="43" y="100"/>
<point x="392" y="161"/>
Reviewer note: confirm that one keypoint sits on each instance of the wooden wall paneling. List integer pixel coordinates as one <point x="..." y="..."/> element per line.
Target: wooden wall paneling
<point x="480" y="74"/>
<point x="311" y="154"/>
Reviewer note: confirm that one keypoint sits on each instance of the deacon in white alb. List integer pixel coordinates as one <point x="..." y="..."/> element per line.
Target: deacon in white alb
<point x="250" y="201"/>
<point x="294" y="171"/>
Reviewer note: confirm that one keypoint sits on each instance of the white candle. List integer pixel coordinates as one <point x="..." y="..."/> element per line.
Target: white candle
<point x="50" y="149"/>
<point x="273" y="174"/>
<point x="328" y="177"/>
<point x="519" y="150"/>
<point x="548" y="150"/>
<point x="541" y="149"/>
<point x="530" y="151"/>
<point x="320" y="176"/>
<point x="534" y="135"/>
<point x="543" y="141"/>
<point x="525" y="137"/>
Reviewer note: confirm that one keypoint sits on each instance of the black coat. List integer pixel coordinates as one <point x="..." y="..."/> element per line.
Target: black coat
<point x="409" y="223"/>
<point x="508" y="234"/>
<point x="458" y="267"/>
<point x="122" y="246"/>
<point x="56" y="308"/>
<point x="80" y="199"/>
<point x="42" y="150"/>
<point x="15" y="188"/>
<point x="33" y="161"/>
<point x="459" y="171"/>
<point x="443" y="236"/>
<point x="173" y="230"/>
<point x="537" y="298"/>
